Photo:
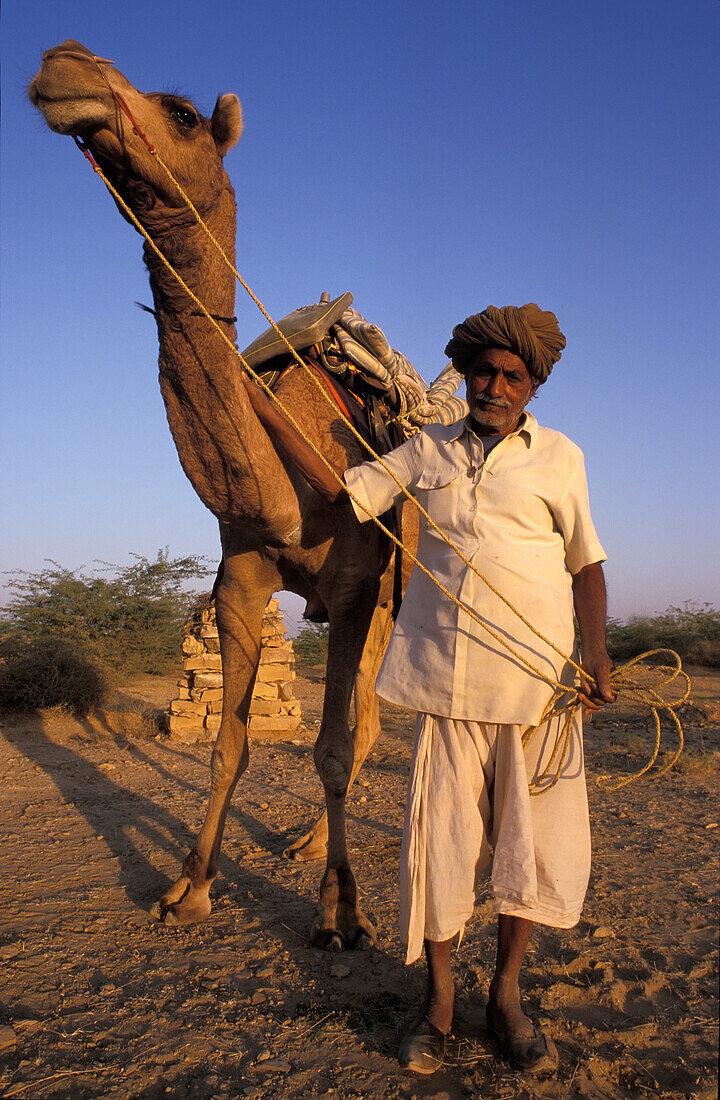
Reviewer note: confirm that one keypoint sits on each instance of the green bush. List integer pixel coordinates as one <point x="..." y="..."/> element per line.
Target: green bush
<point x="311" y="644"/>
<point x="692" y="630"/>
<point x="47" y="672"/>
<point x="129" y="619"/>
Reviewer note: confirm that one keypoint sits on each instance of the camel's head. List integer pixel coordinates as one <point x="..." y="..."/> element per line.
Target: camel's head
<point x="74" y="91"/>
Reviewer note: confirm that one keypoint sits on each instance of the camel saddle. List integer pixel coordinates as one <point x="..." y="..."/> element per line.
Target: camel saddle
<point x="304" y="327"/>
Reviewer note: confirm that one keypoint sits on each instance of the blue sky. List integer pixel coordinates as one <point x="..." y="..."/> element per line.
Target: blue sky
<point x="431" y="158"/>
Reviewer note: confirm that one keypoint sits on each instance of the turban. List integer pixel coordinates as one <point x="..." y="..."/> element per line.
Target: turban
<point x="528" y="331"/>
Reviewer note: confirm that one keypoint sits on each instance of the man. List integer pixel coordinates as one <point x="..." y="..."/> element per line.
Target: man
<point x="513" y="497"/>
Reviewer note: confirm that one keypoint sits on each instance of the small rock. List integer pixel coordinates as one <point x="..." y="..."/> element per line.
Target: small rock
<point x="8" y="1038"/>
<point x="264" y="1055"/>
<point x="712" y="825"/>
<point x="340" y="970"/>
<point x="26" y="1026"/>
<point x="263" y="806"/>
<point x="603" y="933"/>
<point x="10" y="950"/>
<point x="258" y="998"/>
<point x="275" y="1065"/>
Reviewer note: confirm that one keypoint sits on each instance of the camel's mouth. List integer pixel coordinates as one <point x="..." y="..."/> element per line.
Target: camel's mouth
<point x="71" y="90"/>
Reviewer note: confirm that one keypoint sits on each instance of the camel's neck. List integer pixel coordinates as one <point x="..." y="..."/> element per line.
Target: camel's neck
<point x="222" y="446"/>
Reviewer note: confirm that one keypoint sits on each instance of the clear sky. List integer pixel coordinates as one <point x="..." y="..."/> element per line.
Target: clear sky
<point x="431" y="158"/>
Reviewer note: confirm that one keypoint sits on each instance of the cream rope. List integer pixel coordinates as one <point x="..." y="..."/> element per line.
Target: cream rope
<point x="622" y="683"/>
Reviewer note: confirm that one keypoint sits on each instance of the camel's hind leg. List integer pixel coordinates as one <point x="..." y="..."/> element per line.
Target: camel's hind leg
<point x="340" y="922"/>
<point x="313" y="845"/>
<point x="247" y="584"/>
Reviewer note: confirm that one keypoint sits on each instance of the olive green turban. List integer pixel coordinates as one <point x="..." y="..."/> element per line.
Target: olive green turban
<point x="528" y="331"/>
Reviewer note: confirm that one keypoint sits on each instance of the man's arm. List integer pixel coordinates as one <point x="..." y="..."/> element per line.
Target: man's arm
<point x="590" y="601"/>
<point x="300" y="454"/>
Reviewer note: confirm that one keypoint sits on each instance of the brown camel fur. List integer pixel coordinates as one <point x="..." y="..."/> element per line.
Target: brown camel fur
<point x="276" y="533"/>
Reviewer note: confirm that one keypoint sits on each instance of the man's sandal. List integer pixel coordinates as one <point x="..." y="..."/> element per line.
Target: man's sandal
<point x="535" y="1054"/>
<point x="423" y="1047"/>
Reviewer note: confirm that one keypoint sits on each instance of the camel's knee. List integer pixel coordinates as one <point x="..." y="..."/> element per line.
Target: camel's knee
<point x="334" y="768"/>
<point x="226" y="768"/>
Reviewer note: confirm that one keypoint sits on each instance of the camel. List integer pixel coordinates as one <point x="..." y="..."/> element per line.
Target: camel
<point x="275" y="531"/>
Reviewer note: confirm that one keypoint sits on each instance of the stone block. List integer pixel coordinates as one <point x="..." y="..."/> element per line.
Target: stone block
<point x="285" y="690"/>
<point x="280" y="725"/>
<point x="204" y="661"/>
<point x="272" y="673"/>
<point x="192" y="646"/>
<point x="206" y="695"/>
<point x="188" y="709"/>
<point x="208" y="630"/>
<point x="208" y="680"/>
<point x="277" y="654"/>
<point x="264" y="706"/>
<point x="265" y="691"/>
<point x="180" y="728"/>
<point x="212" y="723"/>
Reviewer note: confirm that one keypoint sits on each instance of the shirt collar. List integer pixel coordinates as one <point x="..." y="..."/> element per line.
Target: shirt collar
<point x="528" y="429"/>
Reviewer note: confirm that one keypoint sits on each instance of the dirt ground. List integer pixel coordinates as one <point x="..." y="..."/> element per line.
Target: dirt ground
<point x="97" y="1001"/>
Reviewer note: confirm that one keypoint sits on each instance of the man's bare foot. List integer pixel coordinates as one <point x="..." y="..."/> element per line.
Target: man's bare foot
<point x="521" y="1042"/>
<point x="505" y="1012"/>
<point x="438" y="1009"/>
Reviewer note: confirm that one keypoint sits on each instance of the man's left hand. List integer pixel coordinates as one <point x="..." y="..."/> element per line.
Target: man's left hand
<point x="594" y="696"/>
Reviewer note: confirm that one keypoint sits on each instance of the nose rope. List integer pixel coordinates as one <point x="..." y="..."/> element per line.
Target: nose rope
<point x="623" y="683"/>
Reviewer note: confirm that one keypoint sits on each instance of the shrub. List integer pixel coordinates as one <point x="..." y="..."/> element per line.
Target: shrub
<point x="311" y="644"/>
<point x="129" y="620"/>
<point x="692" y="630"/>
<point x="48" y="672"/>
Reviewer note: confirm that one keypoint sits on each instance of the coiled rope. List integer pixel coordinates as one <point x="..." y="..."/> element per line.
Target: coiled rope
<point x="624" y="682"/>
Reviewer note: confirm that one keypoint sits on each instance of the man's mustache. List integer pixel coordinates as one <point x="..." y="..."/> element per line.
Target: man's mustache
<point x="492" y="403"/>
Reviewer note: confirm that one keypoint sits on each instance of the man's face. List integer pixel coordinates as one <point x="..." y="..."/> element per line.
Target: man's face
<point x="498" y="389"/>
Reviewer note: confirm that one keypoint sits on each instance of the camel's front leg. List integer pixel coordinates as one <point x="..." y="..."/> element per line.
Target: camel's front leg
<point x="313" y="845"/>
<point x="340" y="921"/>
<point x="247" y="584"/>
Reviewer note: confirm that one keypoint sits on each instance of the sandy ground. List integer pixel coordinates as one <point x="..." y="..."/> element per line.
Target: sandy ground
<point x="97" y="1001"/>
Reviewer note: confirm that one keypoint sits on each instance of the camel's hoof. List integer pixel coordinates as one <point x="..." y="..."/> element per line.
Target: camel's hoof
<point x="363" y="942"/>
<point x="327" y="939"/>
<point x="311" y="846"/>
<point x="306" y="849"/>
<point x="192" y="906"/>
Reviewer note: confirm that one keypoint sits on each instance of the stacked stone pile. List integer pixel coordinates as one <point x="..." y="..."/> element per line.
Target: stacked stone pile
<point x="195" y="714"/>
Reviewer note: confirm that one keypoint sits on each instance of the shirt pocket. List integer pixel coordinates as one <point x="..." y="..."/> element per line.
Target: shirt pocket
<point x="440" y="495"/>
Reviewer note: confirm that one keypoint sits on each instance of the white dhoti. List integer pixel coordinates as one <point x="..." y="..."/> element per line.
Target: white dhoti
<point x="468" y="801"/>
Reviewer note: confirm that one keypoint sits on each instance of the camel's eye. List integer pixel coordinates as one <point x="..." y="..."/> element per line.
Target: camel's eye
<point x="185" y="116"/>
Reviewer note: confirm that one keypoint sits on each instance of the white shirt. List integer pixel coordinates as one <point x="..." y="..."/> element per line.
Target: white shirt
<point x="523" y="520"/>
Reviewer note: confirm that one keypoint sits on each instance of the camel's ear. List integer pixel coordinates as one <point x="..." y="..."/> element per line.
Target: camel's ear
<point x="227" y="122"/>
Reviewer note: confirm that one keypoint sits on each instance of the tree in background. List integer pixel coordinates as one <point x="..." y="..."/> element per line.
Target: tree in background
<point x="124" y="618"/>
<point x="311" y="644"/>
<point x="692" y="630"/>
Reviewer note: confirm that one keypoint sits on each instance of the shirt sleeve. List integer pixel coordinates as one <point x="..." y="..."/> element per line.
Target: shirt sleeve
<point x="572" y="516"/>
<point x="374" y="488"/>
